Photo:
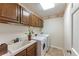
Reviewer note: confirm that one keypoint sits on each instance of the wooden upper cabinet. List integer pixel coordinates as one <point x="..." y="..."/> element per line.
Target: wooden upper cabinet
<point x="10" y="12"/>
<point x="25" y="17"/>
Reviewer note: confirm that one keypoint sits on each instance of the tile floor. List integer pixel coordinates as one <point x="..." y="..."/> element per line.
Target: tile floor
<point x="54" y="52"/>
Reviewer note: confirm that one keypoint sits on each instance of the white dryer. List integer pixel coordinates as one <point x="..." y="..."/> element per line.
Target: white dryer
<point x="41" y="45"/>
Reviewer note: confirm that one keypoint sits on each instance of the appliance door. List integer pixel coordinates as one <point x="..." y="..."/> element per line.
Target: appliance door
<point x="43" y="48"/>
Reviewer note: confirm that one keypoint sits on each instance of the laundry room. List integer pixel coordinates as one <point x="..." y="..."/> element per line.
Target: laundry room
<point x="39" y="29"/>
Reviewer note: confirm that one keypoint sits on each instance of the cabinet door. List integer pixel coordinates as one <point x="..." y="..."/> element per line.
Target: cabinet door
<point x="31" y="51"/>
<point x="32" y="23"/>
<point x="10" y="11"/>
<point x="25" y="17"/>
<point x="41" y="23"/>
<point x="22" y="53"/>
<point x="37" y="20"/>
<point x="34" y="20"/>
<point x="0" y="9"/>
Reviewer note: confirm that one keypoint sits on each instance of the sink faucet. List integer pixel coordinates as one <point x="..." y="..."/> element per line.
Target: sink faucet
<point x="16" y="40"/>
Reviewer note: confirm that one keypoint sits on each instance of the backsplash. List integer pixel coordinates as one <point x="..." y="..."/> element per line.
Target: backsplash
<point x="9" y="32"/>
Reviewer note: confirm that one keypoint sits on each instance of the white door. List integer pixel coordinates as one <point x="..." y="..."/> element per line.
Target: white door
<point x="72" y="30"/>
<point x="75" y="40"/>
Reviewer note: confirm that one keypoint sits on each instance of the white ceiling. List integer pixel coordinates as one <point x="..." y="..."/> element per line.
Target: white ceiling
<point x="53" y="12"/>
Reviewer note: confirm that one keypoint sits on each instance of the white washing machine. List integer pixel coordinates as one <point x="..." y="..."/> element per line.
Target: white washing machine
<point x="42" y="45"/>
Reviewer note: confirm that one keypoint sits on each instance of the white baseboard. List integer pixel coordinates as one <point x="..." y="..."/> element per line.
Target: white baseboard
<point x="56" y="47"/>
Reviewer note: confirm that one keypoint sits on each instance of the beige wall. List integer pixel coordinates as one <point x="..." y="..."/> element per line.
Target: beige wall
<point x="9" y="32"/>
<point x="55" y="28"/>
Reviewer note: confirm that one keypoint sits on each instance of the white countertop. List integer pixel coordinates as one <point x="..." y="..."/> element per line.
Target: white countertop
<point x="19" y="50"/>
